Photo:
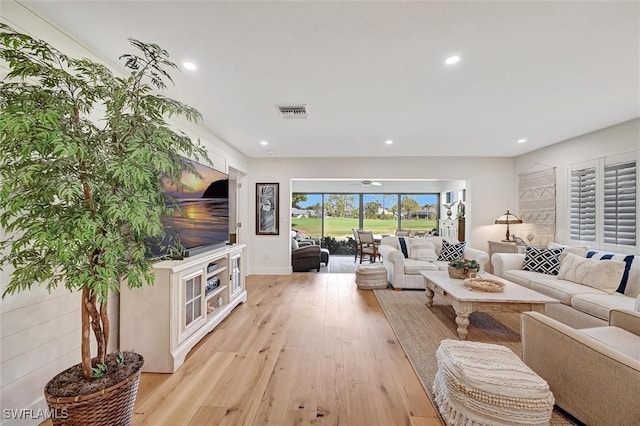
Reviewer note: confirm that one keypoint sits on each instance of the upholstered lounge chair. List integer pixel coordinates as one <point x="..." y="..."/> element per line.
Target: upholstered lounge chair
<point x="305" y="258"/>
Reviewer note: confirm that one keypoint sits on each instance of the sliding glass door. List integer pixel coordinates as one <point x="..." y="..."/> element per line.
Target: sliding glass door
<point x="332" y="216"/>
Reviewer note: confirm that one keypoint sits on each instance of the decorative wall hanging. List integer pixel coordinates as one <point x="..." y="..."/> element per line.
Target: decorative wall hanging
<point x="537" y="205"/>
<point x="267" y="208"/>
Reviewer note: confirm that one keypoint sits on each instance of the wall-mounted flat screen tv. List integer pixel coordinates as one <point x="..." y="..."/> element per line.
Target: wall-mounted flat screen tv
<point x="204" y="224"/>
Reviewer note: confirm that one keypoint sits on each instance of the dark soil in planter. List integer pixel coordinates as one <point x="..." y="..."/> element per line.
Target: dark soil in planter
<point x="71" y="382"/>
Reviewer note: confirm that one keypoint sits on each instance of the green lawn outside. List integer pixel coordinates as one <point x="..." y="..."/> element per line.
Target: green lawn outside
<point x="340" y="227"/>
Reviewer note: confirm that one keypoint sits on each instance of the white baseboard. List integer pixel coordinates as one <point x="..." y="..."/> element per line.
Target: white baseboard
<point x="270" y="271"/>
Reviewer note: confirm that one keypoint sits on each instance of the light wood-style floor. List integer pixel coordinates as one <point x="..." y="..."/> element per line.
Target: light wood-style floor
<point x="306" y="349"/>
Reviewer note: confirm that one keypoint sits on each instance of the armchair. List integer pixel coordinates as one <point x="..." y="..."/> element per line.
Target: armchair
<point x="305" y="258"/>
<point x="594" y="373"/>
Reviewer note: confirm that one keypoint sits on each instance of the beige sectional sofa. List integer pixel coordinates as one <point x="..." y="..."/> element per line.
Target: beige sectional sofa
<point x="403" y="272"/>
<point x="594" y="373"/>
<point x="580" y="305"/>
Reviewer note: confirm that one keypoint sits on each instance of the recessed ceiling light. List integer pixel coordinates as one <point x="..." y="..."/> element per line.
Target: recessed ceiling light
<point x="522" y="140"/>
<point x="264" y="143"/>
<point x="388" y="141"/>
<point x="452" y="60"/>
<point x="190" y="66"/>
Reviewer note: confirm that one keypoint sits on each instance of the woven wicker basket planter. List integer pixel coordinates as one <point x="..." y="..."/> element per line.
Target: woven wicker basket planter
<point x="461" y="273"/>
<point x="110" y="407"/>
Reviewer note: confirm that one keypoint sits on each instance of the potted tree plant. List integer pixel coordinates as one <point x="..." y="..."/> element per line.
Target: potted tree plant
<point x="84" y="153"/>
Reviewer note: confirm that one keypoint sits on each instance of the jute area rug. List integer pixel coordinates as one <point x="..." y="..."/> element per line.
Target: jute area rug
<point x="420" y="330"/>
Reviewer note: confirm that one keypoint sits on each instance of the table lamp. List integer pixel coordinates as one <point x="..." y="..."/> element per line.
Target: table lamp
<point x="508" y="219"/>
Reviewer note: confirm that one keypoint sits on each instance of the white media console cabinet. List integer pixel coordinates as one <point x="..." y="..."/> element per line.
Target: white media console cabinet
<point x="189" y="298"/>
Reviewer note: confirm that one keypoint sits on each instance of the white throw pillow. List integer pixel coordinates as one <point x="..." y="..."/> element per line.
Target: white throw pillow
<point x="294" y="244"/>
<point x="422" y="249"/>
<point x="604" y="276"/>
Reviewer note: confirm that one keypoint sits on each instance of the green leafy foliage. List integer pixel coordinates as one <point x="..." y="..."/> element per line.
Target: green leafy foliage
<point x="99" y="370"/>
<point x="466" y="264"/>
<point x="120" y="358"/>
<point x="84" y="155"/>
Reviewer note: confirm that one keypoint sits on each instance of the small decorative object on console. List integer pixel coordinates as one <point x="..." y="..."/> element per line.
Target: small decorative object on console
<point x="463" y="268"/>
<point x="212" y="284"/>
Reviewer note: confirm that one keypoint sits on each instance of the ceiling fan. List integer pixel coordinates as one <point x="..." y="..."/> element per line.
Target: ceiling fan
<point x="370" y="183"/>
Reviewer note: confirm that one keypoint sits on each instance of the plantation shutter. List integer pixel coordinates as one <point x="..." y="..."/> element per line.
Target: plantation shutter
<point x="620" y="203"/>
<point x="583" y="204"/>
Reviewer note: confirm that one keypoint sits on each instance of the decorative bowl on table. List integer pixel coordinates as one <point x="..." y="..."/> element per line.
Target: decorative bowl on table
<point x="463" y="268"/>
<point x="484" y="284"/>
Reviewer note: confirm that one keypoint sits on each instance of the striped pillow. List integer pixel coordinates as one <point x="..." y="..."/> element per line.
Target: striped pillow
<point x="626" y="258"/>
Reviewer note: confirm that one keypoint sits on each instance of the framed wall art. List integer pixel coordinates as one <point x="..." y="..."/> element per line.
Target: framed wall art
<point x="267" y="206"/>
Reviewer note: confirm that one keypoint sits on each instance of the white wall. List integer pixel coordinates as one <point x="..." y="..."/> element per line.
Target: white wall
<point x="40" y="332"/>
<point x="489" y="183"/>
<point x="618" y="139"/>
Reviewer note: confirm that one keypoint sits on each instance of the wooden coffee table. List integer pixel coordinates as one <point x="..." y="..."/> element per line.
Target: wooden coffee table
<point x="515" y="298"/>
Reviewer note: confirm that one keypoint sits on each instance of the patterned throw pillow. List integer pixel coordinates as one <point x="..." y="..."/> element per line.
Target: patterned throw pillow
<point x="451" y="251"/>
<point x="422" y="249"/>
<point x="542" y="260"/>
<point x="628" y="259"/>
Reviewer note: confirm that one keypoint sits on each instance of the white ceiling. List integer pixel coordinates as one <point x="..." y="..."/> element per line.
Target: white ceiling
<point x="371" y="71"/>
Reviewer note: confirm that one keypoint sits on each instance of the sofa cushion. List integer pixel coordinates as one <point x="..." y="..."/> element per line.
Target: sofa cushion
<point x="413" y="267"/>
<point x="604" y="276"/>
<point x="451" y="251"/>
<point x="422" y="249"/>
<point x="599" y="305"/>
<point x="617" y="338"/>
<point x="442" y="265"/>
<point x="520" y="277"/>
<point x="562" y="290"/>
<point x="627" y="259"/>
<point x="542" y="260"/>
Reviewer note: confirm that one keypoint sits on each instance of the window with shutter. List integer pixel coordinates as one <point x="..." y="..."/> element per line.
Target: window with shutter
<point x="620" y="204"/>
<point x="583" y="204"/>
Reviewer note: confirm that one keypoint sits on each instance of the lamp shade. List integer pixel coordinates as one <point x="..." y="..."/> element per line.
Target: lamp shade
<point x="508" y="219"/>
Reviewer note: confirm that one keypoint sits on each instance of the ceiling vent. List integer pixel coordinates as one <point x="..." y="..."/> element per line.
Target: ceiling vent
<point x="290" y="112"/>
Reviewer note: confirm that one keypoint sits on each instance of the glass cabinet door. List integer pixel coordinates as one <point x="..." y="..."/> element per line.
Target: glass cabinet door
<point x="192" y="299"/>
<point x="236" y="282"/>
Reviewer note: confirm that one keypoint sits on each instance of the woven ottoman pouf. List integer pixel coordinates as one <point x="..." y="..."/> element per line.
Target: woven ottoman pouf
<point x="369" y="277"/>
<point x="485" y="384"/>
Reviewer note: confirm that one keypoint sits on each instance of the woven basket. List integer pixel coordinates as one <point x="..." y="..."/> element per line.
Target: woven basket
<point x="461" y="274"/>
<point x="110" y="407"/>
<point x="371" y="277"/>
